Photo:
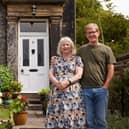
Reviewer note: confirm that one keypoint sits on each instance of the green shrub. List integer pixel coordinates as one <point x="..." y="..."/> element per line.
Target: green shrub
<point x="5" y="77"/>
<point x="15" y="86"/>
<point x="115" y="121"/>
<point x="6" y="125"/>
<point x="119" y="94"/>
<point x="5" y="120"/>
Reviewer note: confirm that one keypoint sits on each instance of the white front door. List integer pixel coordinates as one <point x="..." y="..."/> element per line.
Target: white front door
<point x="33" y="62"/>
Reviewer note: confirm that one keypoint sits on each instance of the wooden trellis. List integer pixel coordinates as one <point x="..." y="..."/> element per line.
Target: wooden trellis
<point x="122" y="64"/>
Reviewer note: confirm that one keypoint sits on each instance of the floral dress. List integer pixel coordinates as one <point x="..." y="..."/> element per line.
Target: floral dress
<point x="65" y="108"/>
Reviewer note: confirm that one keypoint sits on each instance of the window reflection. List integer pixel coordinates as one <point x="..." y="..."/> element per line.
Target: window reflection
<point x="25" y="52"/>
<point x="33" y="27"/>
<point x="40" y="52"/>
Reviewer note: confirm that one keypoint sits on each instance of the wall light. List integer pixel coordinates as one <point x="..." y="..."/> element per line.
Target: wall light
<point x="33" y="10"/>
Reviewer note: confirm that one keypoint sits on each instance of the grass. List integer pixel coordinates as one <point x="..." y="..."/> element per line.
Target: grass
<point x="5" y="122"/>
<point x="115" y="121"/>
<point x="4" y="114"/>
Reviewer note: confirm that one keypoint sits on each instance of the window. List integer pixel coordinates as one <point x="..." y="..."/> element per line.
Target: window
<point x="33" y="26"/>
<point x="40" y="52"/>
<point x="25" y="52"/>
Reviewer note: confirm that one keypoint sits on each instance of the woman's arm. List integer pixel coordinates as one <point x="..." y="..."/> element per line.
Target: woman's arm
<point x="52" y="77"/>
<point x="76" y="77"/>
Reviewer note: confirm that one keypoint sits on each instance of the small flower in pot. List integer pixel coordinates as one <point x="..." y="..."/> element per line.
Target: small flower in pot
<point x="7" y="95"/>
<point x="18" y="108"/>
<point x="19" y="104"/>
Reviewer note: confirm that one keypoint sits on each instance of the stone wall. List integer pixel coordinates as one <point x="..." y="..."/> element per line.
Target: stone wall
<point x="12" y="48"/>
<point x="3" y="27"/>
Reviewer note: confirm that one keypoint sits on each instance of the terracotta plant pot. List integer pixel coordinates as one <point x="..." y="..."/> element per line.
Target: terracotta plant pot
<point x="20" y="118"/>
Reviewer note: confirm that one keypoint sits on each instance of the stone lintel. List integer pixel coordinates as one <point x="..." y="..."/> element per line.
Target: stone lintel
<point x="60" y="2"/>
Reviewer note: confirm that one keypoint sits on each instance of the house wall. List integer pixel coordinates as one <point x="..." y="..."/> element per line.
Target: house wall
<point x="68" y="28"/>
<point x="61" y="23"/>
<point x="3" y="27"/>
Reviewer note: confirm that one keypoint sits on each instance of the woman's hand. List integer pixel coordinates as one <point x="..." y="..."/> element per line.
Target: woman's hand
<point x="62" y="85"/>
<point x="58" y="85"/>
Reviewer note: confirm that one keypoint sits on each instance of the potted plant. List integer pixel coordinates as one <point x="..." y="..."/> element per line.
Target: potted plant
<point x="7" y="97"/>
<point x="18" y="108"/>
<point x="5" y="77"/>
<point x="44" y="95"/>
<point x="15" y="88"/>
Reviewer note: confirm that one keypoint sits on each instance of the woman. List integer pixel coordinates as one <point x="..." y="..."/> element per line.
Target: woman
<point x="65" y="107"/>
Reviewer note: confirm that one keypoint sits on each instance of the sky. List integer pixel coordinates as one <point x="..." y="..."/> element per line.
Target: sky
<point x="121" y="6"/>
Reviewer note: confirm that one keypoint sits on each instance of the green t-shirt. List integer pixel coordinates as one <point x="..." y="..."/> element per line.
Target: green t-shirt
<point x="95" y="59"/>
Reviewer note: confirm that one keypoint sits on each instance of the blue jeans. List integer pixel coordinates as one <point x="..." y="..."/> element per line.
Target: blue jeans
<point x="96" y="103"/>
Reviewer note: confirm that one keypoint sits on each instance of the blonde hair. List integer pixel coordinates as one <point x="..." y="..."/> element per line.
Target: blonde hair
<point x="66" y="39"/>
<point x="90" y="25"/>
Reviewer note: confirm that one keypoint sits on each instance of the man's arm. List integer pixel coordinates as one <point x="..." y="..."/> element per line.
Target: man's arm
<point x="110" y="73"/>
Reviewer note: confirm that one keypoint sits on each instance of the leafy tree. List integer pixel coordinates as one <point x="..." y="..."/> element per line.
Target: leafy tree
<point x="86" y="11"/>
<point x="114" y="27"/>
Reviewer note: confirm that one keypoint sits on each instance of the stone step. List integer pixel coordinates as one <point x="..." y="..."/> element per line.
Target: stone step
<point x="34" y="101"/>
<point x="35" y="107"/>
<point x="32" y="95"/>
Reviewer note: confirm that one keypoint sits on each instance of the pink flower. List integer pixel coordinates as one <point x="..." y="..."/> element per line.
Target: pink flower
<point x="24" y="98"/>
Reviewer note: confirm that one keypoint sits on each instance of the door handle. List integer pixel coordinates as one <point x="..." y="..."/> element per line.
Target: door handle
<point x="33" y="70"/>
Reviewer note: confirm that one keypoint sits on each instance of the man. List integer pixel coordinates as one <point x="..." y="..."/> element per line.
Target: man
<point x="98" y="62"/>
